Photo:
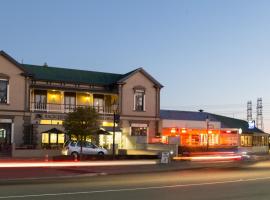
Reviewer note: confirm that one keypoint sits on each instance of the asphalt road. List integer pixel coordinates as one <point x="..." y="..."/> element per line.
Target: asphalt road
<point x="251" y="182"/>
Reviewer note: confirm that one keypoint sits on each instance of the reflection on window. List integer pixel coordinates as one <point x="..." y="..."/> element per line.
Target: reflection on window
<point x="139" y="100"/>
<point x="3" y="91"/>
<point x="138" y="131"/>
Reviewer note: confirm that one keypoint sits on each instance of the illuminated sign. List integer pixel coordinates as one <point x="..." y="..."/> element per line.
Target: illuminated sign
<point x="251" y="124"/>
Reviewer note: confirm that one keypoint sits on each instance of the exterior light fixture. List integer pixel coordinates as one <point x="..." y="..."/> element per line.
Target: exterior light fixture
<point x="240" y="131"/>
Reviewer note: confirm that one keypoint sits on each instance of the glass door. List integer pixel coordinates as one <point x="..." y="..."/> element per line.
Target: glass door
<point x="5" y="137"/>
<point x="70" y="102"/>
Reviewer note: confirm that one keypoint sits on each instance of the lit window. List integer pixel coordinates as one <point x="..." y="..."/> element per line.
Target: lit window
<point x="3" y="91"/>
<point x="61" y="138"/>
<point x="45" y="138"/>
<point x="53" y="138"/>
<point x="139" y="100"/>
<point x="138" y="131"/>
<point x="246" y="141"/>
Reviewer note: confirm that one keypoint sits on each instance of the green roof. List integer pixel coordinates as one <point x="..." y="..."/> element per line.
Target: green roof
<point x="227" y="122"/>
<point x="71" y="75"/>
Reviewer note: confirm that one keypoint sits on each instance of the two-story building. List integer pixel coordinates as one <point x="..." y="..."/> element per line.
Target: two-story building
<point x="34" y="101"/>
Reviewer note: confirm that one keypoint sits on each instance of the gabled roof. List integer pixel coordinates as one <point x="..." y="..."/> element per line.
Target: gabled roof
<point x="57" y="74"/>
<point x="129" y="74"/>
<point x="71" y="75"/>
<point x="12" y="60"/>
<point x="226" y="122"/>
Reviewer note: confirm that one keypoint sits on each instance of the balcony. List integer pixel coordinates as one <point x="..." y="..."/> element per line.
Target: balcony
<point x="66" y="108"/>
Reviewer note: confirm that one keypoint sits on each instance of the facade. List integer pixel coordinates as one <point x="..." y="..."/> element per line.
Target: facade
<point x="34" y="100"/>
<point x="201" y="131"/>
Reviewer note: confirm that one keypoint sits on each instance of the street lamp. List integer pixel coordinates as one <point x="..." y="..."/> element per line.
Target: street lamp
<point x="115" y="120"/>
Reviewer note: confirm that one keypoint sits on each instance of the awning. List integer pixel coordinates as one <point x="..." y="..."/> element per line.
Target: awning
<point x="110" y="129"/>
<point x="53" y="130"/>
<point x="102" y="132"/>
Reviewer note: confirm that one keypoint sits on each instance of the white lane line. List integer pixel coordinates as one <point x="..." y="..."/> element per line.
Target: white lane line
<point x="133" y="189"/>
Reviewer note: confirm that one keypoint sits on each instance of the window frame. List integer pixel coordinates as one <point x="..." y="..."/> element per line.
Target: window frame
<point x="7" y="90"/>
<point x="136" y="92"/>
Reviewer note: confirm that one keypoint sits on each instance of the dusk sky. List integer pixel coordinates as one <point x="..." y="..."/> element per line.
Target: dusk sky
<point x="213" y="55"/>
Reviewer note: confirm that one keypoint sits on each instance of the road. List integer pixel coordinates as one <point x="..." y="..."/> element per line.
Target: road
<point x="251" y="182"/>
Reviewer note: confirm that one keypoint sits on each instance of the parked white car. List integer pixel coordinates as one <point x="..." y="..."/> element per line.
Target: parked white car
<point x="88" y="148"/>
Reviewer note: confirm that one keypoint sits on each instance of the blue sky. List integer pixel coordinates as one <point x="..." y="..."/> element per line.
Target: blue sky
<point x="212" y="55"/>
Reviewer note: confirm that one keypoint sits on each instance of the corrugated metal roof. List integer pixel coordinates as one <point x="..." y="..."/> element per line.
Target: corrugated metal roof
<point x="71" y="75"/>
<point x="226" y="122"/>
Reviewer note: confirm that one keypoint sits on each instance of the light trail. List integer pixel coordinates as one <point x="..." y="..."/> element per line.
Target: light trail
<point x="75" y="164"/>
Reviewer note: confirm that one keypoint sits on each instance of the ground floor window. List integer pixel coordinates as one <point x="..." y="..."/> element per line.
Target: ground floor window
<point x="246" y="140"/>
<point x="260" y="141"/>
<point x="139" y="129"/>
<point x="106" y="141"/>
<point x="50" y="140"/>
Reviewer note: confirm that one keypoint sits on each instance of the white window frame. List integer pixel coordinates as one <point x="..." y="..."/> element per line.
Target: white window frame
<point x="134" y="100"/>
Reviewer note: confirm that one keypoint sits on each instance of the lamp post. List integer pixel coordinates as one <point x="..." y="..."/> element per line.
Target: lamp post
<point x="115" y="119"/>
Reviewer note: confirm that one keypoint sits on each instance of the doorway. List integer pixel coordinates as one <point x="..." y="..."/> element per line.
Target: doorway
<point x="5" y="138"/>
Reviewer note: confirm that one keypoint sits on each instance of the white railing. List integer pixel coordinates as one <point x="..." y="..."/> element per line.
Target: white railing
<point x="66" y="108"/>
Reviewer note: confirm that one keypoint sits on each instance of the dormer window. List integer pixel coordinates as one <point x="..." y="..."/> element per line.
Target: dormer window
<point x="139" y="99"/>
<point x="4" y="91"/>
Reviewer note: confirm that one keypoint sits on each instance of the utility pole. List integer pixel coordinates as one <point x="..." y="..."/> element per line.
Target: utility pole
<point x="249" y="111"/>
<point x="259" y="119"/>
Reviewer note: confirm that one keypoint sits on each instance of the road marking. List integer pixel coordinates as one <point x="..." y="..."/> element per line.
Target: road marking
<point x="133" y="189"/>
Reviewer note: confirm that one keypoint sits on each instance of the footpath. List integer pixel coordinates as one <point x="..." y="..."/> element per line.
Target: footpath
<point x="12" y="170"/>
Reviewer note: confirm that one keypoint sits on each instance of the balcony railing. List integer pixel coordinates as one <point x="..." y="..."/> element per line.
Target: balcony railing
<point x="66" y="108"/>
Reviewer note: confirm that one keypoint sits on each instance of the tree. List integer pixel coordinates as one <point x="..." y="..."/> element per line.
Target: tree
<point x="82" y="123"/>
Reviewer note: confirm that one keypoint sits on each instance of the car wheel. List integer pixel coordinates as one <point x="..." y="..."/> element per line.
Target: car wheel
<point x="101" y="153"/>
<point x="75" y="154"/>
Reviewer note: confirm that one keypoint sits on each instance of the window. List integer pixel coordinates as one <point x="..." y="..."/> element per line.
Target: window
<point x="99" y="102"/>
<point x="139" y="100"/>
<point x="70" y="99"/>
<point x="138" y="131"/>
<point x="3" y="91"/>
<point x="40" y="100"/>
<point x="50" y="140"/>
<point x="246" y="141"/>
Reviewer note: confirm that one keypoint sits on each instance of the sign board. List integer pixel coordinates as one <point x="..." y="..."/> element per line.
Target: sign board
<point x="251" y="124"/>
<point x="165" y="158"/>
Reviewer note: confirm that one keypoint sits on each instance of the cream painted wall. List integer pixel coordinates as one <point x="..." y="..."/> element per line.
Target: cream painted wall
<point x="54" y="97"/>
<point x="16" y="85"/>
<point x="127" y="100"/>
<point x="84" y="99"/>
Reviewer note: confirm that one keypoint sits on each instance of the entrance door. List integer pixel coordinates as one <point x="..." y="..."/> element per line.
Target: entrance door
<point x="5" y="138"/>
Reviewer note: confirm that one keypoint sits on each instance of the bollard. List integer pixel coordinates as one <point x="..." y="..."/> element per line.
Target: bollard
<point x="75" y="158"/>
<point x="46" y="158"/>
